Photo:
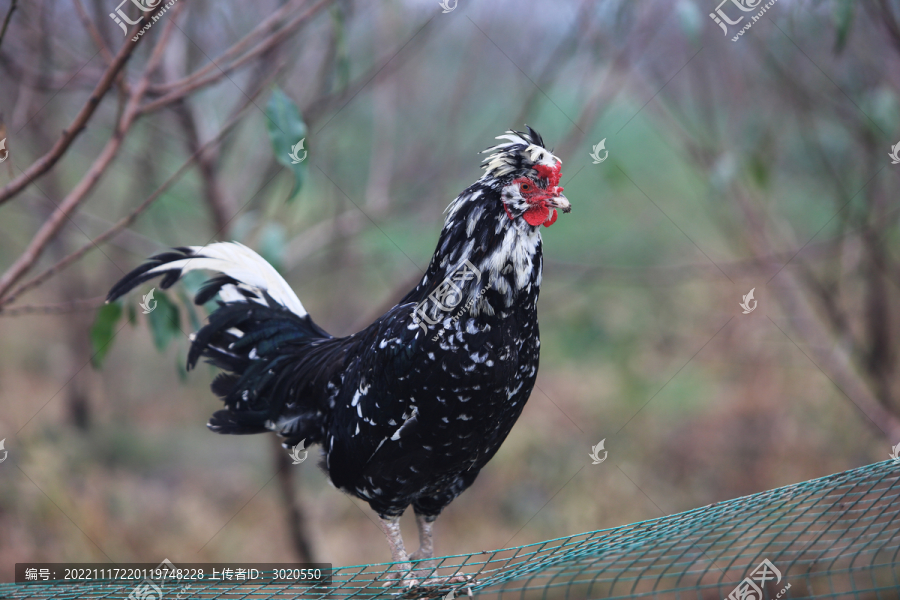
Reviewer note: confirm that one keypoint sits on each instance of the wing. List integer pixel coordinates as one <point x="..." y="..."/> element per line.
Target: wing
<point x="378" y="404"/>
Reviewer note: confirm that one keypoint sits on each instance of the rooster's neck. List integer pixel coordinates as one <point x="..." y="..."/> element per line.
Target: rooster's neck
<point x="493" y="260"/>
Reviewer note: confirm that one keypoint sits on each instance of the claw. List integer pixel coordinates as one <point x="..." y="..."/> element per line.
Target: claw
<point x="393" y="576"/>
<point x="437" y="587"/>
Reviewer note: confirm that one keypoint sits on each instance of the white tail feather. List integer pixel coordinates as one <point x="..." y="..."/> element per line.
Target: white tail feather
<point x="242" y="264"/>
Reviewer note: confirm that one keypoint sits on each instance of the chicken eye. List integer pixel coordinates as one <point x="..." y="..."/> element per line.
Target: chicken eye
<point x="525" y="187"/>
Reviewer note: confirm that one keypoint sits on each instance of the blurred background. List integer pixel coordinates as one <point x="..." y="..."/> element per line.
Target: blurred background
<point x="757" y="164"/>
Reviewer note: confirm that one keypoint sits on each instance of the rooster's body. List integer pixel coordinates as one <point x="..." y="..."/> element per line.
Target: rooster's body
<point x="409" y="409"/>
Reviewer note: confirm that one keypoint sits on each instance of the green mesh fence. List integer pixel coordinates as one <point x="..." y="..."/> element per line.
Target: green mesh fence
<point x="834" y="537"/>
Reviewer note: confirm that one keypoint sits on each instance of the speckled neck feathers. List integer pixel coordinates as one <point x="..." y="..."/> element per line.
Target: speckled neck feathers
<point x="505" y="252"/>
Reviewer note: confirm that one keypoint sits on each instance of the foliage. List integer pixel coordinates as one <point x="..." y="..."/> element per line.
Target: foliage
<point x="104" y="331"/>
<point x="286" y="130"/>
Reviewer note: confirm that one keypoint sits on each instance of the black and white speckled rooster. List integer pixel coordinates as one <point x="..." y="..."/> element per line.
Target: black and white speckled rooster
<point x="409" y="409"/>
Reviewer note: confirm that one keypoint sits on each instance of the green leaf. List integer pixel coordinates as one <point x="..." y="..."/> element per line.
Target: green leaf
<point x="103" y="330"/>
<point x="759" y="170"/>
<point x="189" y="309"/>
<point x="843" y="22"/>
<point x="287" y="132"/>
<point x="132" y="315"/>
<point x="165" y="321"/>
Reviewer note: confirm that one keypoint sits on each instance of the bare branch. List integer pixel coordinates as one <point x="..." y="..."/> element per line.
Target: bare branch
<point x="85" y="79"/>
<point x="12" y="7"/>
<point x="206" y="163"/>
<point x="293" y="505"/>
<point x="43" y="164"/>
<point x="51" y="227"/>
<point x="54" y="309"/>
<point x="214" y="72"/>
<point x="128" y="219"/>
<point x="94" y="33"/>
<point x="835" y="363"/>
<point x="889" y="21"/>
<point x="265" y="27"/>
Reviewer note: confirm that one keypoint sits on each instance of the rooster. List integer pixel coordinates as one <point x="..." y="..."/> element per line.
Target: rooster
<point x="410" y="409"/>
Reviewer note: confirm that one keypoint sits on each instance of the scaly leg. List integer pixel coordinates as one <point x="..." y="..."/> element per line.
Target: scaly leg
<point x="426" y="542"/>
<point x="391" y="529"/>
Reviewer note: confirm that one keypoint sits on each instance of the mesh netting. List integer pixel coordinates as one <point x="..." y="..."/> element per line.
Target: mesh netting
<point x="834" y="537"/>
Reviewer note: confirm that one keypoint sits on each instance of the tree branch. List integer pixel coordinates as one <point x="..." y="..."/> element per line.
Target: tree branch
<point x="206" y="164"/>
<point x="43" y="164"/>
<point x="212" y="73"/>
<point x="51" y="227"/>
<point x="835" y="363"/>
<point x="128" y="219"/>
<point x="12" y="8"/>
<point x="293" y="505"/>
<point x="54" y="309"/>
<point x="93" y="32"/>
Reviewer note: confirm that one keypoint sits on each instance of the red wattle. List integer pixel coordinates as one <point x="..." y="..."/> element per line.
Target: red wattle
<point x="552" y="219"/>
<point x="537" y="215"/>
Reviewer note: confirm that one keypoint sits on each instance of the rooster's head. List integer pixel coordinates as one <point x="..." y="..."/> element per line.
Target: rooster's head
<point x="526" y="174"/>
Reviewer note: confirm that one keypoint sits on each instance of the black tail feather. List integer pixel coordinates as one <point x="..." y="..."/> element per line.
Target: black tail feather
<point x="211" y="287"/>
<point x="140" y="274"/>
<point x="272" y="362"/>
<point x="271" y="355"/>
<point x="243" y="423"/>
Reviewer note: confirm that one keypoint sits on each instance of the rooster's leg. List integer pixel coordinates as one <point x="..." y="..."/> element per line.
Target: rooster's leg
<point x="426" y="538"/>
<point x="425" y="569"/>
<point x="391" y="529"/>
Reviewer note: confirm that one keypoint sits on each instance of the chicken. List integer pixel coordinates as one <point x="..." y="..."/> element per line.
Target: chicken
<point x="410" y="409"/>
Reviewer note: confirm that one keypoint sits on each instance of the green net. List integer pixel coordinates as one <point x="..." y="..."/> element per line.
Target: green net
<point x="834" y="537"/>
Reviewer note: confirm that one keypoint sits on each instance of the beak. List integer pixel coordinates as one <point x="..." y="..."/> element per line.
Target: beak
<point x="560" y="202"/>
